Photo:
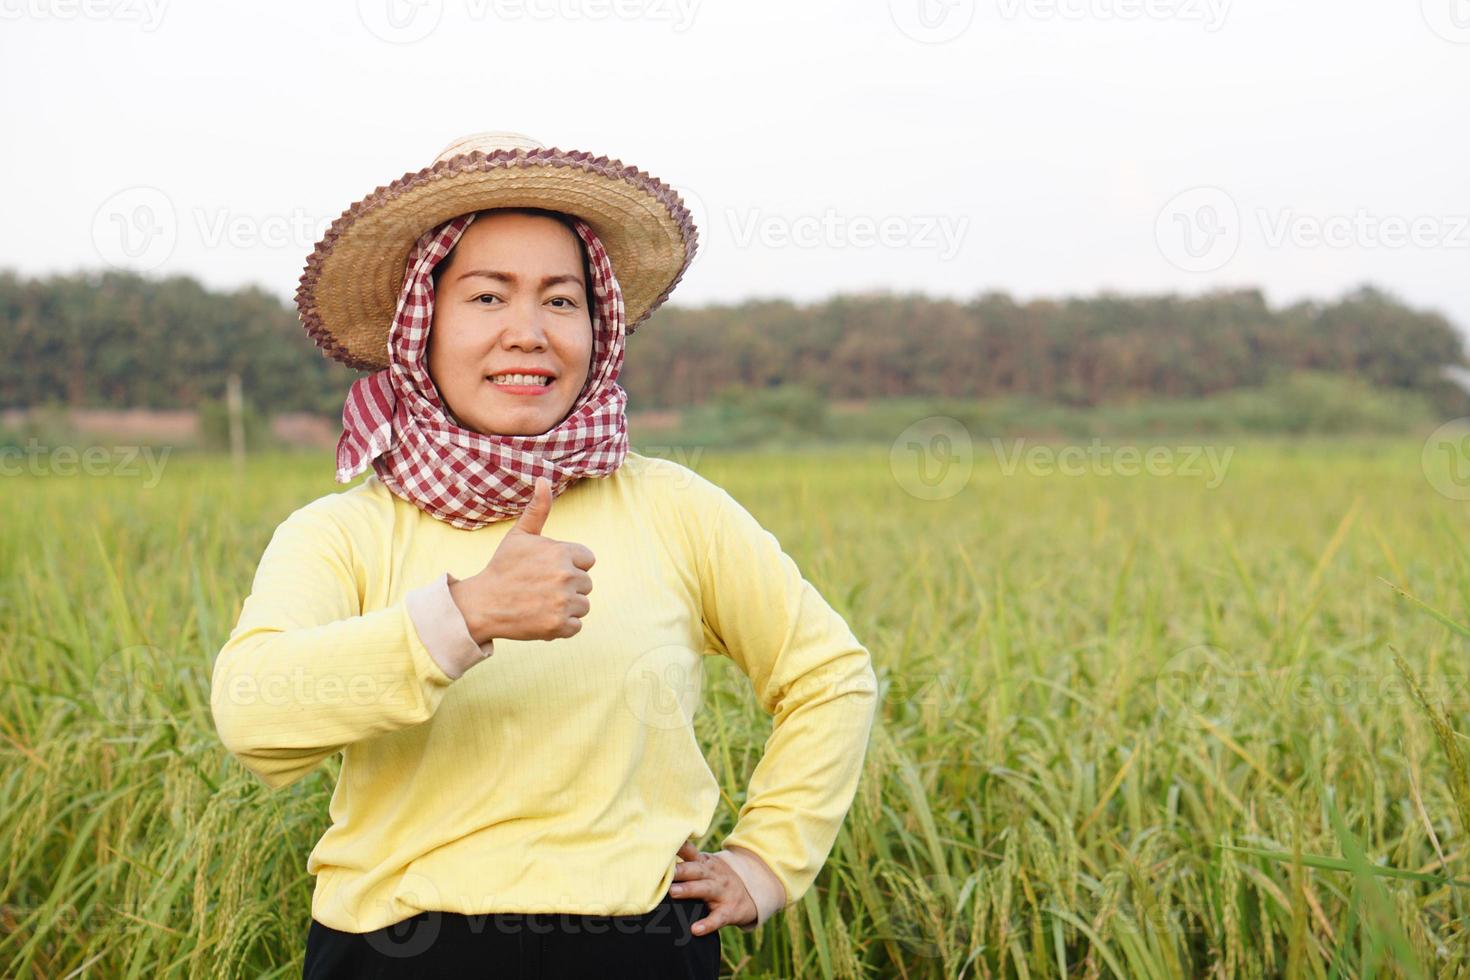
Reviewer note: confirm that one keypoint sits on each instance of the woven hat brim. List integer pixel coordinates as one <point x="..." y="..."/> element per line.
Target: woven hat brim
<point x="349" y="291"/>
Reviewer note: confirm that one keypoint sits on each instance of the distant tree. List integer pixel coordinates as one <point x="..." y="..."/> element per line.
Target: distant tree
<point x="115" y="339"/>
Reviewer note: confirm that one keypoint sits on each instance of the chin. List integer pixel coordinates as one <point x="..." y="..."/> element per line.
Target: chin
<point x="490" y="414"/>
<point x="520" y="426"/>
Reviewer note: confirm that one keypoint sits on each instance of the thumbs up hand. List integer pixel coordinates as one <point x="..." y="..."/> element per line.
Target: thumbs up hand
<point x="533" y="588"/>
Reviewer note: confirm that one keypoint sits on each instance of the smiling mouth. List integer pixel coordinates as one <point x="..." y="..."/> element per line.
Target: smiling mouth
<point x="521" y="384"/>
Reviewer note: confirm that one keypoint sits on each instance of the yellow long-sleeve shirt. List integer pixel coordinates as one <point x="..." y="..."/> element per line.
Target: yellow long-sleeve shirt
<point x="551" y="776"/>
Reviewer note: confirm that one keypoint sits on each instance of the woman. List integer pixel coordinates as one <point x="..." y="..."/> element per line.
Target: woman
<point x="521" y="785"/>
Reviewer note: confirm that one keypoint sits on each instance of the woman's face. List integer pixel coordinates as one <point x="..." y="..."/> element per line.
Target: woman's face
<point x="511" y="300"/>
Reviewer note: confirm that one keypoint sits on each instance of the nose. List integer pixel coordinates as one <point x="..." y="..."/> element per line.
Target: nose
<point x="524" y="333"/>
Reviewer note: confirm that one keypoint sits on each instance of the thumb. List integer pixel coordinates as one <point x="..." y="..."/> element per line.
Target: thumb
<point x="533" y="518"/>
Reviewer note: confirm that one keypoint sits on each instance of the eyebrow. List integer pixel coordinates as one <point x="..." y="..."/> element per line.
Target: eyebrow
<point x="511" y="278"/>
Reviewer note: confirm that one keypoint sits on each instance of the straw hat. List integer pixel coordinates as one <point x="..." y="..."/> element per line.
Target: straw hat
<point x="349" y="291"/>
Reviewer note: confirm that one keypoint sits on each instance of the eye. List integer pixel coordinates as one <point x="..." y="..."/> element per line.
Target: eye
<point x="571" y="304"/>
<point x="485" y="296"/>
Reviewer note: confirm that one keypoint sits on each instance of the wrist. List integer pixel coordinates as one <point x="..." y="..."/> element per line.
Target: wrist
<point x="764" y="888"/>
<point x="442" y="629"/>
<point x="474" y="619"/>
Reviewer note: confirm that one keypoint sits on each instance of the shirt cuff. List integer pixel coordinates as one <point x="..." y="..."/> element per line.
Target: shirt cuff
<point x="764" y="887"/>
<point x="443" y="629"/>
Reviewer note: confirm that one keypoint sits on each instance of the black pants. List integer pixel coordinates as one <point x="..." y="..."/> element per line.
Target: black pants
<point x="519" y="946"/>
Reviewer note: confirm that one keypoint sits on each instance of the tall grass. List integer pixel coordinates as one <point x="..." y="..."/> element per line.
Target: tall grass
<point x="1130" y="727"/>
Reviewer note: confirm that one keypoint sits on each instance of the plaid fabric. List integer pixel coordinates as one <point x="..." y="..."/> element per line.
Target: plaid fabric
<point x="395" y="421"/>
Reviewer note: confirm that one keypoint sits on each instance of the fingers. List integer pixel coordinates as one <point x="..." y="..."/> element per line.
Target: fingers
<point x="702" y="866"/>
<point x="700" y="875"/>
<point x="716" y="919"/>
<point x="715" y="893"/>
<point x="581" y="555"/>
<point x="533" y="518"/>
<point x="706" y="889"/>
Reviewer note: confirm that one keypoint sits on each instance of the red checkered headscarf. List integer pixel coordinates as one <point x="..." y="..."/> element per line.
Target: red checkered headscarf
<point x="395" y="421"/>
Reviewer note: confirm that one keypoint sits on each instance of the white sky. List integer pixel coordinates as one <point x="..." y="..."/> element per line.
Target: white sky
<point x="1035" y="146"/>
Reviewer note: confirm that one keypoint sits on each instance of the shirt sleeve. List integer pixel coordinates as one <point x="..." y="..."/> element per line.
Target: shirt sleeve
<point x="442" y="627"/>
<point x="810" y="673"/>
<point x="305" y="672"/>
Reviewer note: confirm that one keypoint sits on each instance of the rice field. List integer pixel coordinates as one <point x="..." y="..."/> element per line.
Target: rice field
<point x="1136" y="721"/>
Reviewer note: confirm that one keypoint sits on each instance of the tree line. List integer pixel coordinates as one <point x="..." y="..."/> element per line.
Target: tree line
<point x="121" y="340"/>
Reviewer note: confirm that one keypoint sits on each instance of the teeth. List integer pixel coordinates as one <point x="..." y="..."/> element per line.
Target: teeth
<point x="520" y="379"/>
